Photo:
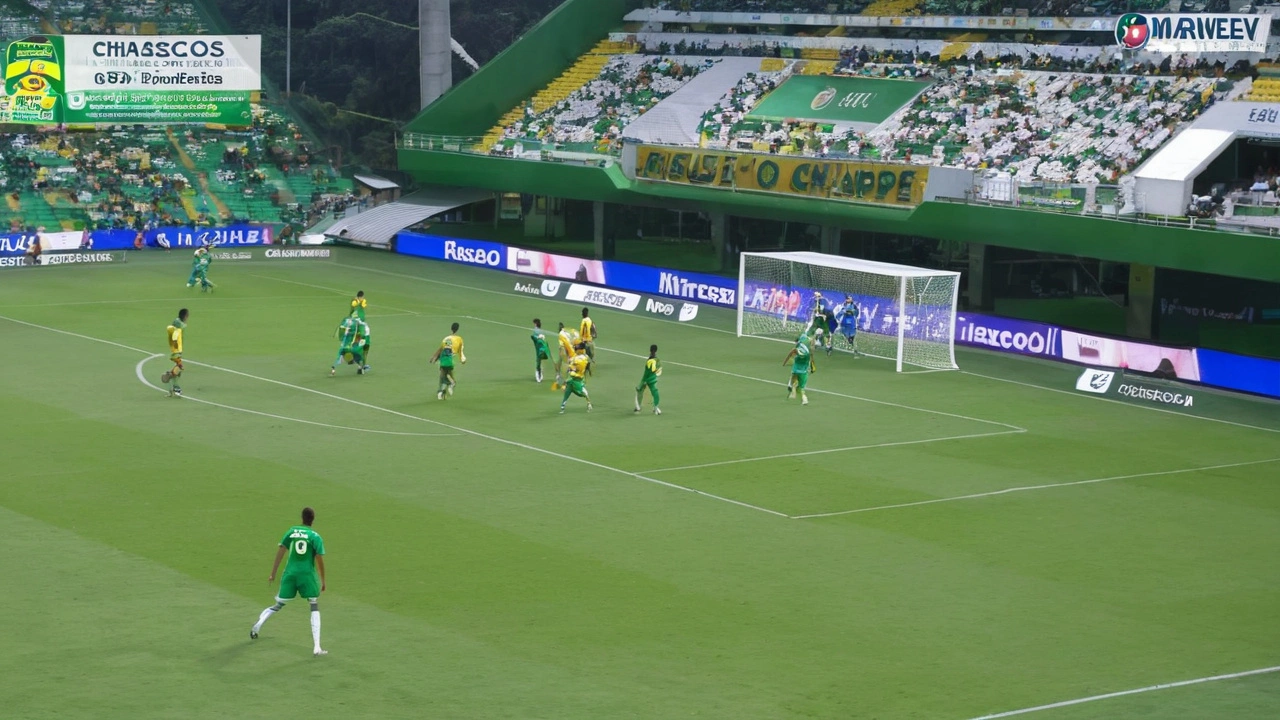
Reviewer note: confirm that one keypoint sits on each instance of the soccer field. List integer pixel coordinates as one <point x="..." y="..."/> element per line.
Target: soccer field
<point x="935" y="545"/>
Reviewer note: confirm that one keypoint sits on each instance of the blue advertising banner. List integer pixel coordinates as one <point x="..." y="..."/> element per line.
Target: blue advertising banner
<point x="195" y="237"/>
<point x="20" y="243"/>
<point x="113" y="239"/>
<point x="458" y="250"/>
<point x="1007" y="335"/>
<point x="1260" y="376"/>
<point x="699" y="287"/>
<point x="16" y="244"/>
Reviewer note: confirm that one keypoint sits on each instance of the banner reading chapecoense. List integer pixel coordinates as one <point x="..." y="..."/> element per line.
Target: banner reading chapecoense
<point x="151" y="79"/>
<point x="845" y="180"/>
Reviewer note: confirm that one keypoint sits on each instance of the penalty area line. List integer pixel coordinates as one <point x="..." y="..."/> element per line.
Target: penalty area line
<point x="1135" y="691"/>
<point x="137" y="369"/>
<point x="833" y="450"/>
<point x="1026" y="488"/>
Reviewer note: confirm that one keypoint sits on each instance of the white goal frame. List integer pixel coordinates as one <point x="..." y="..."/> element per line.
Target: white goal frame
<point x="902" y="276"/>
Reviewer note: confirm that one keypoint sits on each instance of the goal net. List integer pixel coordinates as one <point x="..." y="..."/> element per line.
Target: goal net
<point x="905" y="314"/>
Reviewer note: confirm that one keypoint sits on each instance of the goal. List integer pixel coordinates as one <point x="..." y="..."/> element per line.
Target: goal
<point x="906" y="314"/>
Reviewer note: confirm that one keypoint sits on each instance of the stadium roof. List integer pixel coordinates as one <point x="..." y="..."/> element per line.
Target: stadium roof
<point x="379" y="225"/>
<point x="1186" y="155"/>
<point x="373" y="182"/>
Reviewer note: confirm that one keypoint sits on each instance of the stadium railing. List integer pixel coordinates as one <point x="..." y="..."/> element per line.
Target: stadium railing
<point x="472" y="144"/>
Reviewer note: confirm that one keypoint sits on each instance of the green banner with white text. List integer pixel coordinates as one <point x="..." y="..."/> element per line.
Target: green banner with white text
<point x="107" y="79"/>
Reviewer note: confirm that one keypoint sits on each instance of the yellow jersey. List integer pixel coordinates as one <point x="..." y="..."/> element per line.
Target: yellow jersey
<point x="566" y="344"/>
<point x="451" y="346"/>
<point x="174" y="334"/>
<point x="585" y="328"/>
<point x="578" y="366"/>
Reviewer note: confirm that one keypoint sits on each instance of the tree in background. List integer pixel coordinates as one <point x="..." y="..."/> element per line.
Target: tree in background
<point x="355" y="61"/>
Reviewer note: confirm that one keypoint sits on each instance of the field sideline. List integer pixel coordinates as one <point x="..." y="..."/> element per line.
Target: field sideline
<point x="943" y="545"/>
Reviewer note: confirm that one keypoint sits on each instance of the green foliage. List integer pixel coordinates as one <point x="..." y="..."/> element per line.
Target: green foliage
<point x="363" y="57"/>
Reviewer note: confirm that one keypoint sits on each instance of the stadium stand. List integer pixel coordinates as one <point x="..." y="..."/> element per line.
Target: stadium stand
<point x="142" y="177"/>
<point x="1039" y="118"/>
<point x="592" y="116"/>
<point x="122" y="17"/>
<point x="147" y="177"/>
<point x="1067" y="127"/>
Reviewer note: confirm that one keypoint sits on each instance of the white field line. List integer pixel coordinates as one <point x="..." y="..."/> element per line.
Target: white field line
<point x="1136" y="691"/>
<point x="334" y="290"/>
<point x="455" y="428"/>
<point x="1083" y="396"/>
<point x="832" y="450"/>
<point x="1013" y="428"/>
<point x="493" y="438"/>
<point x="137" y="369"/>
<point x="1026" y="488"/>
<point x="159" y="300"/>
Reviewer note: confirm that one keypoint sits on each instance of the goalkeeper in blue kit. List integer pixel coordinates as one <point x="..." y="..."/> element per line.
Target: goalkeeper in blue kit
<point x="847" y="317"/>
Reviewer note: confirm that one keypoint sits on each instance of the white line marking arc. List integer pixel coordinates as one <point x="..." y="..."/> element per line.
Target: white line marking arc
<point x="137" y="369"/>
<point x="1136" y="691"/>
<point x="455" y="428"/>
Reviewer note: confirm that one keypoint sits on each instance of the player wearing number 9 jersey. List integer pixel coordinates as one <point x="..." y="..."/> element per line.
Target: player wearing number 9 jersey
<point x="306" y="555"/>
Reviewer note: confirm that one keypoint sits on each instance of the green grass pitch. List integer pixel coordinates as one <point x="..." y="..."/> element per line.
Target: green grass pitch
<point x="489" y="558"/>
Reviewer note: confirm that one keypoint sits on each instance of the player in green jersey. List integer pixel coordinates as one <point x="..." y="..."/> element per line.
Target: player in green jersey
<point x="801" y="359"/>
<point x="541" y="351"/>
<point x="200" y="263"/>
<point x="652" y="371"/>
<point x="303" y="574"/>
<point x="354" y="334"/>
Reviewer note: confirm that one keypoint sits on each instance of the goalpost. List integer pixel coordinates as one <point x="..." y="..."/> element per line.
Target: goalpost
<point x="906" y="314"/>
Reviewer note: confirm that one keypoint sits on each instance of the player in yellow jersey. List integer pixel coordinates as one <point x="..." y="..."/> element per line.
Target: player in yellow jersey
<point x="577" y="370"/>
<point x="566" y="340"/>
<point x="173" y="334"/>
<point x="359" y="305"/>
<point x="450" y="348"/>
<point x="587" y="331"/>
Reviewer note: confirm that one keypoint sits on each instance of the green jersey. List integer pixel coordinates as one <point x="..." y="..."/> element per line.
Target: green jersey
<point x="800" y="365"/>
<point x="303" y="544"/>
<point x="652" y="369"/>
<point x="197" y="260"/>
<point x="540" y="342"/>
<point x="348" y="331"/>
